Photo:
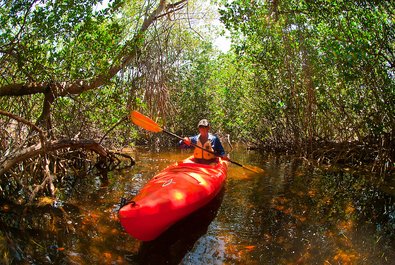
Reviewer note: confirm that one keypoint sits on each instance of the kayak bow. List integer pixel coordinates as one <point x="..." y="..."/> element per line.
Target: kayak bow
<point x="171" y="195"/>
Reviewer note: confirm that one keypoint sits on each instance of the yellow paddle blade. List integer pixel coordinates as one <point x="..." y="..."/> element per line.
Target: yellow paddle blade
<point x="144" y="122"/>
<point x="254" y="169"/>
<point x="248" y="167"/>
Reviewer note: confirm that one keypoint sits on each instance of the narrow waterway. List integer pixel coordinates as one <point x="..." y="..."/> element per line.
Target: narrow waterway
<point x="293" y="213"/>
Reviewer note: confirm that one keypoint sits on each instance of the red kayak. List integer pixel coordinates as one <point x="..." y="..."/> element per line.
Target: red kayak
<point x="171" y="195"/>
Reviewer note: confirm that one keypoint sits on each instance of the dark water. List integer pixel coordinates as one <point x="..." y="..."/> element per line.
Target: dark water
<point x="293" y="213"/>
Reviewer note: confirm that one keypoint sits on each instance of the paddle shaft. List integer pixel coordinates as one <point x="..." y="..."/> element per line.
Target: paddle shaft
<point x="195" y="145"/>
<point x="150" y="125"/>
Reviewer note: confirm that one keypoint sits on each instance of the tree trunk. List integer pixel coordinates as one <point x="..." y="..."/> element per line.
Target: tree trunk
<point x="44" y="121"/>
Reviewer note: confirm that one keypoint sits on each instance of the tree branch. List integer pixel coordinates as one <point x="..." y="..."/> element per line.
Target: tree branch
<point x="76" y="87"/>
<point x="31" y="125"/>
<point x="8" y="162"/>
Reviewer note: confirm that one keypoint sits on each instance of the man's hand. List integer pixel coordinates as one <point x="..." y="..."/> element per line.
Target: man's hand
<point x="187" y="141"/>
<point x="225" y="157"/>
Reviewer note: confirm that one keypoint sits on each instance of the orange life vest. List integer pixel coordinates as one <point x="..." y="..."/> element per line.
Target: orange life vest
<point x="200" y="154"/>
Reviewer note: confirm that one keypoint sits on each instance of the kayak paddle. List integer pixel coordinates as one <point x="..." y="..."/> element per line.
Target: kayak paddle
<point x="148" y="124"/>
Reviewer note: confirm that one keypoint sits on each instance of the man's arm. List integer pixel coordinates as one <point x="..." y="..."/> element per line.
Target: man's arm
<point x="218" y="148"/>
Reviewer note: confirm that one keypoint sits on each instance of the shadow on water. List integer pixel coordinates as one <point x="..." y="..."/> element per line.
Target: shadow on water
<point x="172" y="246"/>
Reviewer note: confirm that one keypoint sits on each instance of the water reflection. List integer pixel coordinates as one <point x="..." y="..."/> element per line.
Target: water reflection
<point x="294" y="213"/>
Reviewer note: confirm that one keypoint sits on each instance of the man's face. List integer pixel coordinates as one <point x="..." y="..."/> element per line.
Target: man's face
<point x="203" y="130"/>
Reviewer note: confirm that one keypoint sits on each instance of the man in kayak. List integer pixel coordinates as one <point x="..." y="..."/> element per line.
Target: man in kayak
<point x="207" y="141"/>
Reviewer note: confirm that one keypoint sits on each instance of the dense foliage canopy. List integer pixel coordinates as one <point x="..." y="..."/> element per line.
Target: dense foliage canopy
<point x="306" y="74"/>
<point x="321" y="69"/>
